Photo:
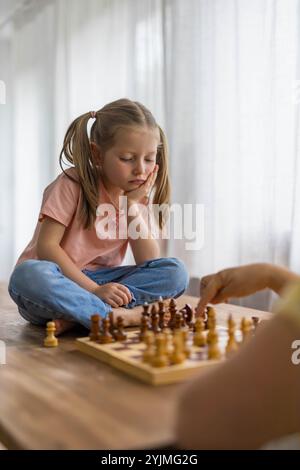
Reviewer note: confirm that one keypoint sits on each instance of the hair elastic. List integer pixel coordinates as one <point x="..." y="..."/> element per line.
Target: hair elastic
<point x="93" y="114"/>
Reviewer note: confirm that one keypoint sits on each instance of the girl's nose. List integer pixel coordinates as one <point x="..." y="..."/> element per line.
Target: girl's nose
<point x="139" y="168"/>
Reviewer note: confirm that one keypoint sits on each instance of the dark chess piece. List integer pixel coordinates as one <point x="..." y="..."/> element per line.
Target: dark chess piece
<point x="119" y="335"/>
<point x="95" y="328"/>
<point x="105" y="336"/>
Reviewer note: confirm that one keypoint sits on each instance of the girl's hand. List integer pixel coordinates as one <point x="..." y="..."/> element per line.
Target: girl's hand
<point x="113" y="294"/>
<point x="142" y="193"/>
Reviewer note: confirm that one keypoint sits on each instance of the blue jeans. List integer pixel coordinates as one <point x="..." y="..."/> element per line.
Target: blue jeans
<point x="43" y="293"/>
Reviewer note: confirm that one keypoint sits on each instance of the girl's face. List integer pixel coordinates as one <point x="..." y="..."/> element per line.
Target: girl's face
<point x="127" y="164"/>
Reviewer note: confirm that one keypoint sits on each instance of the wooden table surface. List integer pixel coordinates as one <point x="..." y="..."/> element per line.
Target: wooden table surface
<point x="61" y="399"/>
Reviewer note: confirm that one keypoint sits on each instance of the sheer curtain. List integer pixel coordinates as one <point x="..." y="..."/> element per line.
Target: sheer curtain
<point x="233" y="121"/>
<point x="67" y="57"/>
<point x="219" y="75"/>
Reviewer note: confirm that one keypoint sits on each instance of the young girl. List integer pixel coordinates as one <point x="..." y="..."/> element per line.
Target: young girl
<point x="69" y="270"/>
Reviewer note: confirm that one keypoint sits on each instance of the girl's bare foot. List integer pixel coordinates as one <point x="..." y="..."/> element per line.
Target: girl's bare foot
<point x="61" y="326"/>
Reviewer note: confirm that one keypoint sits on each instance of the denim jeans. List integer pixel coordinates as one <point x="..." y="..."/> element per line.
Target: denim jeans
<point x="42" y="292"/>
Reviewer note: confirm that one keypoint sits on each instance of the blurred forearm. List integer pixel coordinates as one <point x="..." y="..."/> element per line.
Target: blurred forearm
<point x="248" y="400"/>
<point x="279" y="277"/>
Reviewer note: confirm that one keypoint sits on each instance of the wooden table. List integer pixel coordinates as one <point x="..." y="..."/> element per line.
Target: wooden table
<point x="61" y="399"/>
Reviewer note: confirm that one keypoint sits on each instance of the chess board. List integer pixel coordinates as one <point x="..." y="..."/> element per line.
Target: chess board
<point x="127" y="356"/>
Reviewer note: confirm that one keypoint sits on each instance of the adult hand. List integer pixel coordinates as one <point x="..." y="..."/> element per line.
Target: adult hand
<point x="232" y="282"/>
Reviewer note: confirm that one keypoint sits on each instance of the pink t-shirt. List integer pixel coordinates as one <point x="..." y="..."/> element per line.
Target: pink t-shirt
<point x="62" y="202"/>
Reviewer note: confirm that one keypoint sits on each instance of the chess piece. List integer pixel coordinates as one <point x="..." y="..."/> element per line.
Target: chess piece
<point x="50" y="341"/>
<point x="246" y="328"/>
<point x="185" y="337"/>
<point x="154" y="320"/>
<point x="153" y="311"/>
<point x="213" y="347"/>
<point x="255" y="321"/>
<point x="199" y="336"/>
<point x="169" y="341"/>
<point x="205" y="319"/>
<point x="243" y="327"/>
<point x="119" y="335"/>
<point x="178" y="356"/>
<point x="211" y="313"/>
<point x="208" y="312"/>
<point x="155" y="326"/>
<point x="161" y="304"/>
<point x="144" y="327"/>
<point x="161" y="314"/>
<point x="95" y="329"/>
<point x="178" y="321"/>
<point x="111" y="323"/>
<point x="160" y="357"/>
<point x="149" y="350"/>
<point x="211" y="328"/>
<point x="232" y="345"/>
<point x="146" y="307"/>
<point x="189" y="315"/>
<point x="105" y="336"/>
<point x="183" y="317"/>
<point x="173" y="311"/>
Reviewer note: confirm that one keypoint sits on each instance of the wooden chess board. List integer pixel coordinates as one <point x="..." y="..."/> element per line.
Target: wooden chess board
<point x="127" y="357"/>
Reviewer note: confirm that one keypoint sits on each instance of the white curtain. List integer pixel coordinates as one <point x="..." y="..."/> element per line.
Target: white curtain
<point x="233" y="122"/>
<point x="219" y="75"/>
<point x="67" y="57"/>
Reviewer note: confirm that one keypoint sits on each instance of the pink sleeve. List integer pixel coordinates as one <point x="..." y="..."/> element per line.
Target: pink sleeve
<point x="60" y="200"/>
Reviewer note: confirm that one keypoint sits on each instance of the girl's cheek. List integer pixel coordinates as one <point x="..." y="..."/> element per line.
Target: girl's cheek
<point x="152" y="168"/>
<point x="148" y="173"/>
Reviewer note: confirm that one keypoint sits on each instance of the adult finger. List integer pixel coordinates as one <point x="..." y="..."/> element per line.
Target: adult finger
<point x="221" y="296"/>
<point x="208" y="292"/>
<point x="205" y="280"/>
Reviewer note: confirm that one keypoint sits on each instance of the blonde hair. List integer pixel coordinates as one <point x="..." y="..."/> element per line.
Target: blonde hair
<point x="77" y="151"/>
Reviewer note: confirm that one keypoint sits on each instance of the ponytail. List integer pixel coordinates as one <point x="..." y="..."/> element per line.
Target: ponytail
<point x="163" y="189"/>
<point x="77" y="151"/>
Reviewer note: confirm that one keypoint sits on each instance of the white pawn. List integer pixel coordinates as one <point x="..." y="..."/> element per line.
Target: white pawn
<point x="199" y="336"/>
<point x="160" y="358"/>
<point x="50" y="341"/>
<point x="231" y="343"/>
<point x="149" y="350"/>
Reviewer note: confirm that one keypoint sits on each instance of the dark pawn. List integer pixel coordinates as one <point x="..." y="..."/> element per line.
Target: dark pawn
<point x="173" y="311"/>
<point x="145" y="312"/>
<point x="119" y="335"/>
<point x="95" y="328"/>
<point x="105" y="336"/>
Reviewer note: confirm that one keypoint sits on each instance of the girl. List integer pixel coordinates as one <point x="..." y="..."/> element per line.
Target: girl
<point x="71" y="269"/>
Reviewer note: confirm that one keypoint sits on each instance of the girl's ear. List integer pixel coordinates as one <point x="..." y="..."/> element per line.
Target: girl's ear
<point x="96" y="153"/>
